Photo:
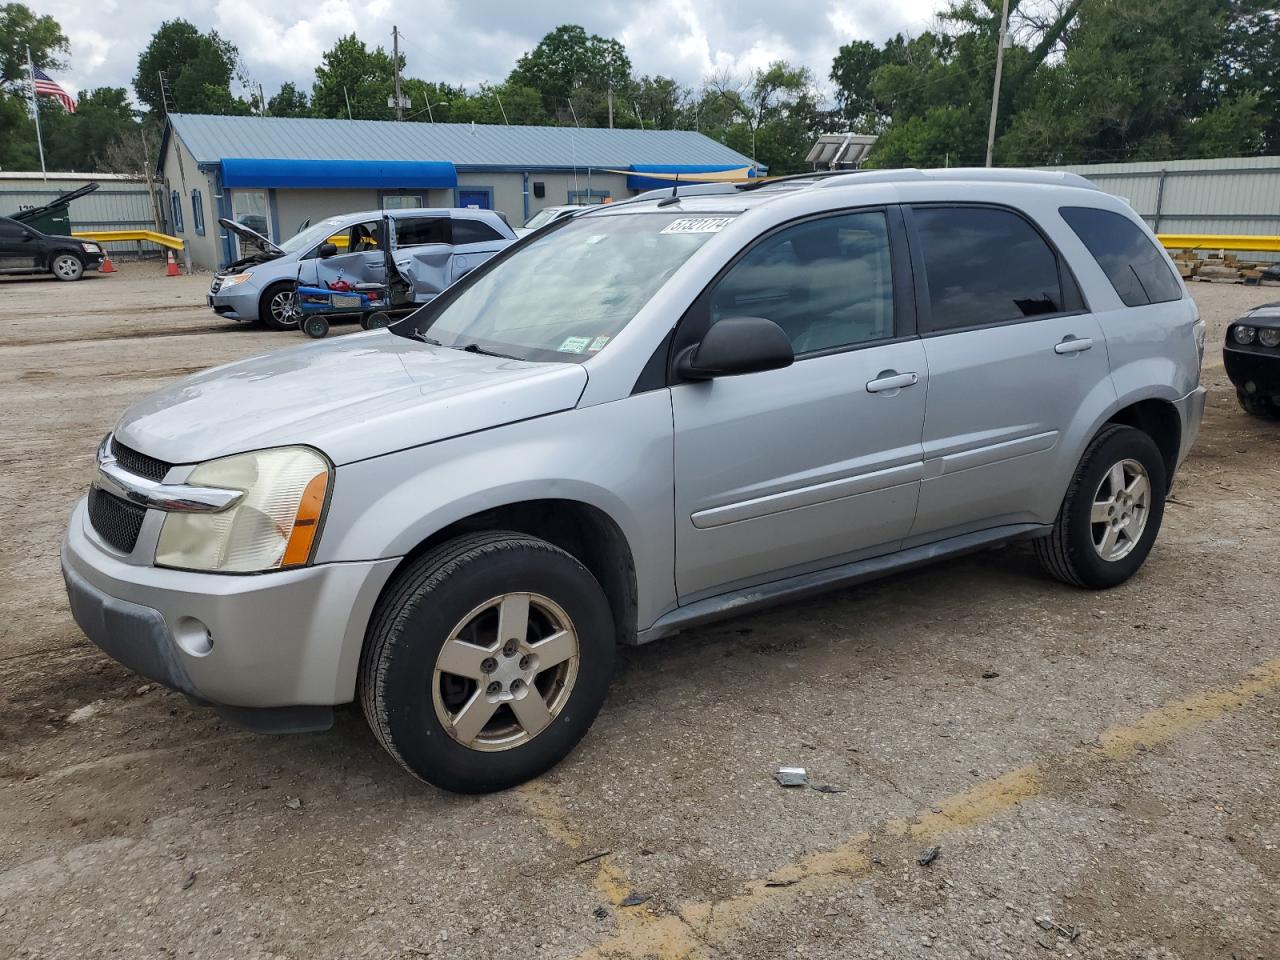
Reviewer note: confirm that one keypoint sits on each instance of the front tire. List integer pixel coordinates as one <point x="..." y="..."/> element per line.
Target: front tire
<point x="1111" y="514"/>
<point x="1257" y="405"/>
<point x="277" y="309"/>
<point x="67" y="266"/>
<point x="486" y="661"/>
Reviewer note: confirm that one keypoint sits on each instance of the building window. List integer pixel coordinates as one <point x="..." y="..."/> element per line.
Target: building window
<point x="197" y="212"/>
<point x="590" y="196"/>
<point x="401" y="202"/>
<point x="175" y="203"/>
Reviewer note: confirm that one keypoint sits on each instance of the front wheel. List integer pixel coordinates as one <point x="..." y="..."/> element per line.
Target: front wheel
<point x="1257" y="405"/>
<point x="278" y="307"/>
<point x="67" y="266"/>
<point x="486" y="661"/>
<point x="1111" y="513"/>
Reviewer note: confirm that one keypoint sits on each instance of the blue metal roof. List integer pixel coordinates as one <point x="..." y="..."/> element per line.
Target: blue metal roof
<point x="337" y="174"/>
<point x="212" y="138"/>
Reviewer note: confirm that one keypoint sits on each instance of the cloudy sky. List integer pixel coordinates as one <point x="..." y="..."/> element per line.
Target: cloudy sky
<point x="469" y="41"/>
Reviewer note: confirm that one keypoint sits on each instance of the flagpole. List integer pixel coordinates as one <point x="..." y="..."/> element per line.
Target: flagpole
<point x="35" y="111"/>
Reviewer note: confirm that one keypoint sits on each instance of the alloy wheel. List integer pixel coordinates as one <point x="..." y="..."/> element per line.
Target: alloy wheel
<point x="67" y="267"/>
<point x="506" y="672"/>
<point x="284" y="308"/>
<point x="1121" y="507"/>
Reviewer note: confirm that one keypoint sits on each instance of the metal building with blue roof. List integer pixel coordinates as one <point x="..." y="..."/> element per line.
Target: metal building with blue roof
<point x="275" y="173"/>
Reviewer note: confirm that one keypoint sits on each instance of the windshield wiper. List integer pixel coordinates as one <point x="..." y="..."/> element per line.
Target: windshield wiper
<point x="422" y="335"/>
<point x="476" y="348"/>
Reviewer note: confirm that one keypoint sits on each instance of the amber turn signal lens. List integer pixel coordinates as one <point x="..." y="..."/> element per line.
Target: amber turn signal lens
<point x="307" y="523"/>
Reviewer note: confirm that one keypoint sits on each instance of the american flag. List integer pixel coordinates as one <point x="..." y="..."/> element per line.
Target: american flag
<point x="46" y="85"/>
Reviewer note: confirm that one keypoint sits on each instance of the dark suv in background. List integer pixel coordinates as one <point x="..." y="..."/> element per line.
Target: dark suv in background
<point x="27" y="250"/>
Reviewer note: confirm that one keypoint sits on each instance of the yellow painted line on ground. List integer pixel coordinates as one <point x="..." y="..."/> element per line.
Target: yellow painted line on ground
<point x="695" y="929"/>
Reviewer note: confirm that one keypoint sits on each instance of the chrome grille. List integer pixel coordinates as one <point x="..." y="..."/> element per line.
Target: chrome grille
<point x="117" y="521"/>
<point x="138" y="463"/>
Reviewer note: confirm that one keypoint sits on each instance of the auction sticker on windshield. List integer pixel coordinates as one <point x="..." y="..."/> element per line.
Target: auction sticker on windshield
<point x="697" y="225"/>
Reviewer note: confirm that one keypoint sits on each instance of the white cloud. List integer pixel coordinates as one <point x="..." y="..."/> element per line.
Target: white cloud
<point x="472" y="41"/>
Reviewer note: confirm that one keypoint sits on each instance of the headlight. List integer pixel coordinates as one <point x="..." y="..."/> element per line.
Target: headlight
<point x="90" y="248"/>
<point x="1269" y="337"/>
<point x="274" y="525"/>
<point x="235" y="278"/>
<point x="1243" y="334"/>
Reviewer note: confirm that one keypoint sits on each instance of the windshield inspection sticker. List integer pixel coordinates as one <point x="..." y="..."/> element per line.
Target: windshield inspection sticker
<point x="697" y="225"/>
<point x="575" y="344"/>
<point x="597" y="344"/>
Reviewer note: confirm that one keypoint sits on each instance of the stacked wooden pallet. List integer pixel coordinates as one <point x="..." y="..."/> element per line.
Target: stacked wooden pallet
<point x="1220" y="267"/>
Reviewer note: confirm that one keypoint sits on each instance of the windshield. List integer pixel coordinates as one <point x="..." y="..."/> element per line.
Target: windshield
<point x="566" y="294"/>
<point x="545" y="215"/>
<point x="313" y="235"/>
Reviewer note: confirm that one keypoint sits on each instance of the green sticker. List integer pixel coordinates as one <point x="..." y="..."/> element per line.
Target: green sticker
<point x="597" y="344"/>
<point x="575" y="344"/>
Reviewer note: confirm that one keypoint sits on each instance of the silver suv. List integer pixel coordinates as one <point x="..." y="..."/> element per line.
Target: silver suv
<point x="646" y="417"/>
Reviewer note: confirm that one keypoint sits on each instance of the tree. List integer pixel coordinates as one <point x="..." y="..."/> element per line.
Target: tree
<point x="199" y="68"/>
<point x="353" y="78"/>
<point x="22" y="29"/>
<point x="289" y="102"/>
<point x="852" y="72"/>
<point x="570" y="65"/>
<point x="80" y="141"/>
<point x="770" y="116"/>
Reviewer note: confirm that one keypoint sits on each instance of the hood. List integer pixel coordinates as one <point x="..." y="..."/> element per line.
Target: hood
<point x="251" y="237"/>
<point x="353" y="397"/>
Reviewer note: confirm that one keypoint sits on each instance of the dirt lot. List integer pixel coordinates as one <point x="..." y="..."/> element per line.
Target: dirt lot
<point x="1101" y="771"/>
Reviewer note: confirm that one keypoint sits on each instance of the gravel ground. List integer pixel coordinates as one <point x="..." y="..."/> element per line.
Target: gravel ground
<point x="1098" y="771"/>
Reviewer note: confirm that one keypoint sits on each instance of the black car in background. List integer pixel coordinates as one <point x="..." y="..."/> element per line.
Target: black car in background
<point x="24" y="249"/>
<point x="1252" y="358"/>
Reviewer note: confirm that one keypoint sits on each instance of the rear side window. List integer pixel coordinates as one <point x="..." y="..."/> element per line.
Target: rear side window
<point x="473" y="231"/>
<point x="416" y="231"/>
<point x="1127" y="256"/>
<point x="986" y="266"/>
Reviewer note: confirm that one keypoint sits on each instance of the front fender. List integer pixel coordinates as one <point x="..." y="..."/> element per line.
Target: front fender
<point x="616" y="457"/>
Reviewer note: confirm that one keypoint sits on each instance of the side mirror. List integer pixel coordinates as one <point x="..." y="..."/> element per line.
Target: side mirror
<point x="737" y="345"/>
<point x="327" y="250"/>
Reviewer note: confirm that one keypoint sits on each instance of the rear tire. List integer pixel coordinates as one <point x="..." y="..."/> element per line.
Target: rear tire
<point x="1111" y="514"/>
<point x="1257" y="405"/>
<point x="67" y="266"/>
<point x="277" y="309"/>
<point x="486" y="661"/>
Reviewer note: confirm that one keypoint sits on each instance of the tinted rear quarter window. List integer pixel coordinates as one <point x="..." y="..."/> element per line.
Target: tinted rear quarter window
<point x="1127" y="256"/>
<point x="986" y="266"/>
<point x="416" y="231"/>
<point x="473" y="231"/>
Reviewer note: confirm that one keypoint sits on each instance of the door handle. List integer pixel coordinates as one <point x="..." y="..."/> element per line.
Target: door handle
<point x="1072" y="344"/>
<point x="889" y="380"/>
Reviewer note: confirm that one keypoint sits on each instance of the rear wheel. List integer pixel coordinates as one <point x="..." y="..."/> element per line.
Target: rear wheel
<point x="487" y="660"/>
<point x="67" y="266"/>
<point x="1257" y="405"/>
<point x="278" y="307"/>
<point x="1111" y="513"/>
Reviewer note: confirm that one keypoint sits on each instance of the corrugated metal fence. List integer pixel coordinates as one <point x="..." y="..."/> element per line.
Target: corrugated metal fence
<point x="1233" y="195"/>
<point x="119" y="203"/>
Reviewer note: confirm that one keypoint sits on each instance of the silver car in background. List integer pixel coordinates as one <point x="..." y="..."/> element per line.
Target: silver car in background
<point x="643" y="418"/>
<point x="433" y="248"/>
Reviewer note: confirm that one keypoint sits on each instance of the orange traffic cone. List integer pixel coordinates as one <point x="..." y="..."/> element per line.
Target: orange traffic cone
<point x="106" y="266"/>
<point x="171" y="268"/>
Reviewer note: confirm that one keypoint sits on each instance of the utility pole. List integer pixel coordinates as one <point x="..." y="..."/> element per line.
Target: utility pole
<point x="995" y="93"/>
<point x="395" y="56"/>
<point x="35" y="112"/>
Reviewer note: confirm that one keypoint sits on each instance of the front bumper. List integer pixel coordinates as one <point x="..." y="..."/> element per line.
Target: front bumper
<point x="1254" y="370"/>
<point x="235" y="303"/>
<point x="285" y="639"/>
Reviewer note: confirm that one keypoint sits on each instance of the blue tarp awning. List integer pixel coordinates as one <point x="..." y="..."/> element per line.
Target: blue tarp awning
<point x="636" y="181"/>
<point x="338" y="174"/>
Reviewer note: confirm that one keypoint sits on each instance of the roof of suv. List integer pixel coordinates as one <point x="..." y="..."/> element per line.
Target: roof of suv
<point x="709" y="196"/>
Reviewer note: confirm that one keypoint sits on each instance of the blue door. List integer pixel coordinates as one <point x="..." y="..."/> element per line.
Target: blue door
<point x="481" y="199"/>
